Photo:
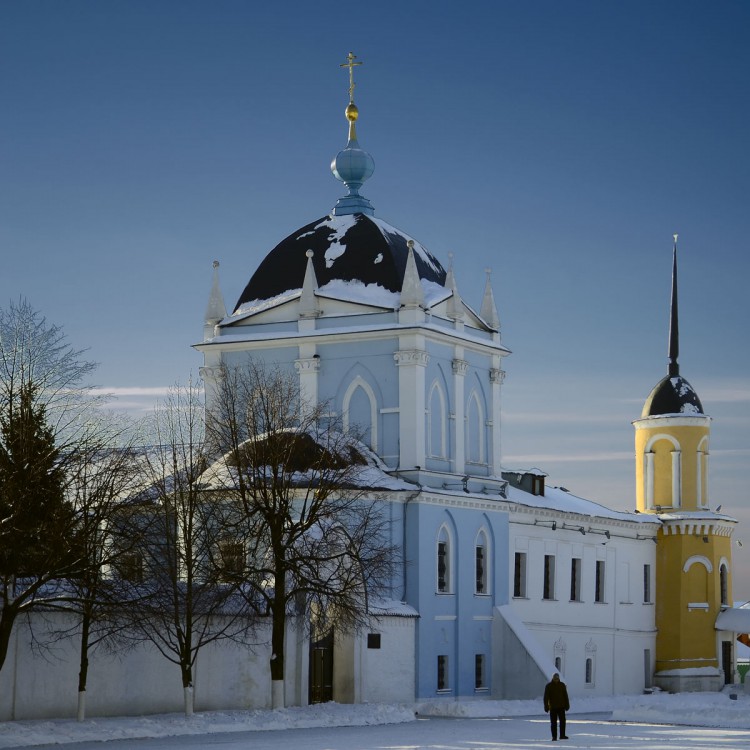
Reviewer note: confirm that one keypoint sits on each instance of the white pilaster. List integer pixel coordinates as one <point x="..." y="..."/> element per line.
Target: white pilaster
<point x="497" y="376"/>
<point x="460" y="366"/>
<point x="411" y="363"/>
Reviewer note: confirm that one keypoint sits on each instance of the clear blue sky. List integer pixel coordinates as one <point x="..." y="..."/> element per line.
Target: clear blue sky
<point x="560" y="143"/>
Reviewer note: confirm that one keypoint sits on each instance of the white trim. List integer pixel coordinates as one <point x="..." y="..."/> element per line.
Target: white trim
<point x="697" y="559"/>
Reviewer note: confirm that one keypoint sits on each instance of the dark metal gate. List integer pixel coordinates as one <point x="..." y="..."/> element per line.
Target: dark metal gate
<point x="321" y="670"/>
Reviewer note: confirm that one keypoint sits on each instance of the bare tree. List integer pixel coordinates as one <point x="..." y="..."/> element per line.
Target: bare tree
<point x="315" y="538"/>
<point x="178" y="600"/>
<point x="44" y="419"/>
<point x="102" y="480"/>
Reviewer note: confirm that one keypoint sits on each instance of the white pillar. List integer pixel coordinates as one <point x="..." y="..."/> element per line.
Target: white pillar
<point x="649" y="480"/>
<point x="676" y="479"/>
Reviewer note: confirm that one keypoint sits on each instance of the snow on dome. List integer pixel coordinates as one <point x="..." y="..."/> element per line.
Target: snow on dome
<point x="672" y="395"/>
<point x="348" y="248"/>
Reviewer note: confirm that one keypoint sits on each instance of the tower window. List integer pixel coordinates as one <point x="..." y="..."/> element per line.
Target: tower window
<point x="647" y="584"/>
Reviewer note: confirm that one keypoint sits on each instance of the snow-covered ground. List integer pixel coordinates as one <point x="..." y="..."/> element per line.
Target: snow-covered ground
<point x="690" y="710"/>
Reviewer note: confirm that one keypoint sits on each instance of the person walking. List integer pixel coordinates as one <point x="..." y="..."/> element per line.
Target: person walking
<point x="556" y="703"/>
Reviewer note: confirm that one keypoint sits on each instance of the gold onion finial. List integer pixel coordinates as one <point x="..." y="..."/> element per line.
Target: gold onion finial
<point x="352" y="113"/>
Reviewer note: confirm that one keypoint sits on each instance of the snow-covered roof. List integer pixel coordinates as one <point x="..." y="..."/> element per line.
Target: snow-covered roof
<point x="556" y="498"/>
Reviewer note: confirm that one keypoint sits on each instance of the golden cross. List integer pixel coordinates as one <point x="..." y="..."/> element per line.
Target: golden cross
<point x="351" y="57"/>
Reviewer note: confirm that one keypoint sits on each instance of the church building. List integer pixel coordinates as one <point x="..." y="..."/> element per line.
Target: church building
<point x="504" y="575"/>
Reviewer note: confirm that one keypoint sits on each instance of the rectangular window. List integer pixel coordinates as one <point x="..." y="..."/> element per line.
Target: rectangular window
<point x="480" y="570"/>
<point x="232" y="556"/>
<point x="599" y="594"/>
<point x="647" y="584"/>
<point x="442" y="567"/>
<point x="373" y="640"/>
<point x="479" y="679"/>
<point x="129" y="567"/>
<point x="442" y="672"/>
<point x="548" y="591"/>
<point x="519" y="575"/>
<point x="575" y="579"/>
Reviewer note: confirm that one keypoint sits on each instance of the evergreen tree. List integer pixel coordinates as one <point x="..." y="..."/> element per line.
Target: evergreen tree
<point x="36" y="519"/>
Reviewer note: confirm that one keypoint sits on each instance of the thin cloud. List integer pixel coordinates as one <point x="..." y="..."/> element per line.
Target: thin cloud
<point x="568" y="457"/>
<point x="133" y="391"/>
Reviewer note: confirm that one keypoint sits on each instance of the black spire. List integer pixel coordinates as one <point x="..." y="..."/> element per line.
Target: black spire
<point x="674" y="333"/>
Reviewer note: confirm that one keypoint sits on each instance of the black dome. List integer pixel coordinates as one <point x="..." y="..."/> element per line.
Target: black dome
<point x="672" y="395"/>
<point x="353" y="247"/>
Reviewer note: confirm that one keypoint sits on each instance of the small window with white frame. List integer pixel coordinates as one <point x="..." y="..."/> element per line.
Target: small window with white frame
<point x="442" y="673"/>
<point x="519" y="576"/>
<point x="443" y="562"/>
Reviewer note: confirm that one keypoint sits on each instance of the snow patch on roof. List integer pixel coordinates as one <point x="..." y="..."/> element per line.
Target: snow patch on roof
<point x="419" y="249"/>
<point x="259" y="305"/>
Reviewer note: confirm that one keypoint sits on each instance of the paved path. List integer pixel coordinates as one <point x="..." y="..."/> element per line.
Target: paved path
<point x="524" y="733"/>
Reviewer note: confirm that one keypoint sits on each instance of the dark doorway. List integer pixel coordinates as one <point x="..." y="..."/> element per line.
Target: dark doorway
<point x="726" y="661"/>
<point x="321" y="669"/>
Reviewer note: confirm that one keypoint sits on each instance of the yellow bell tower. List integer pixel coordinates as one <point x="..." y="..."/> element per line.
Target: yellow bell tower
<point x="693" y="553"/>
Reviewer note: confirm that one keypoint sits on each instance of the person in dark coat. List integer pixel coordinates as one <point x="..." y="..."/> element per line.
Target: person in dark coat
<point x="556" y="703"/>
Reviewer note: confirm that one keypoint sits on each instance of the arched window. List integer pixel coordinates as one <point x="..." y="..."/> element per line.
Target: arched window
<point x="475" y="432"/>
<point x="697" y="569"/>
<point x="444" y="561"/>
<point x="360" y="411"/>
<point x="481" y="564"/>
<point x="436" y="423"/>
<point x="724" y="584"/>
<point x="590" y="667"/>
<point x="663" y="472"/>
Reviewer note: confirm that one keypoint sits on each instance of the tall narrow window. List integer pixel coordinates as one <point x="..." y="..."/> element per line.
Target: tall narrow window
<point x="480" y="570"/>
<point x="519" y="575"/>
<point x="442" y="672"/>
<point x="724" y="584"/>
<point x="480" y="564"/>
<point x="548" y="591"/>
<point x="443" y="562"/>
<point x="575" y="579"/>
<point x="589" y="671"/>
<point x="599" y="593"/>
<point x="647" y="584"/>
<point x="480" y="682"/>
<point x="442" y="566"/>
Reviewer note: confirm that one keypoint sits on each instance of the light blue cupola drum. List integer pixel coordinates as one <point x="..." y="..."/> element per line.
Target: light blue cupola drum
<point x="353" y="166"/>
